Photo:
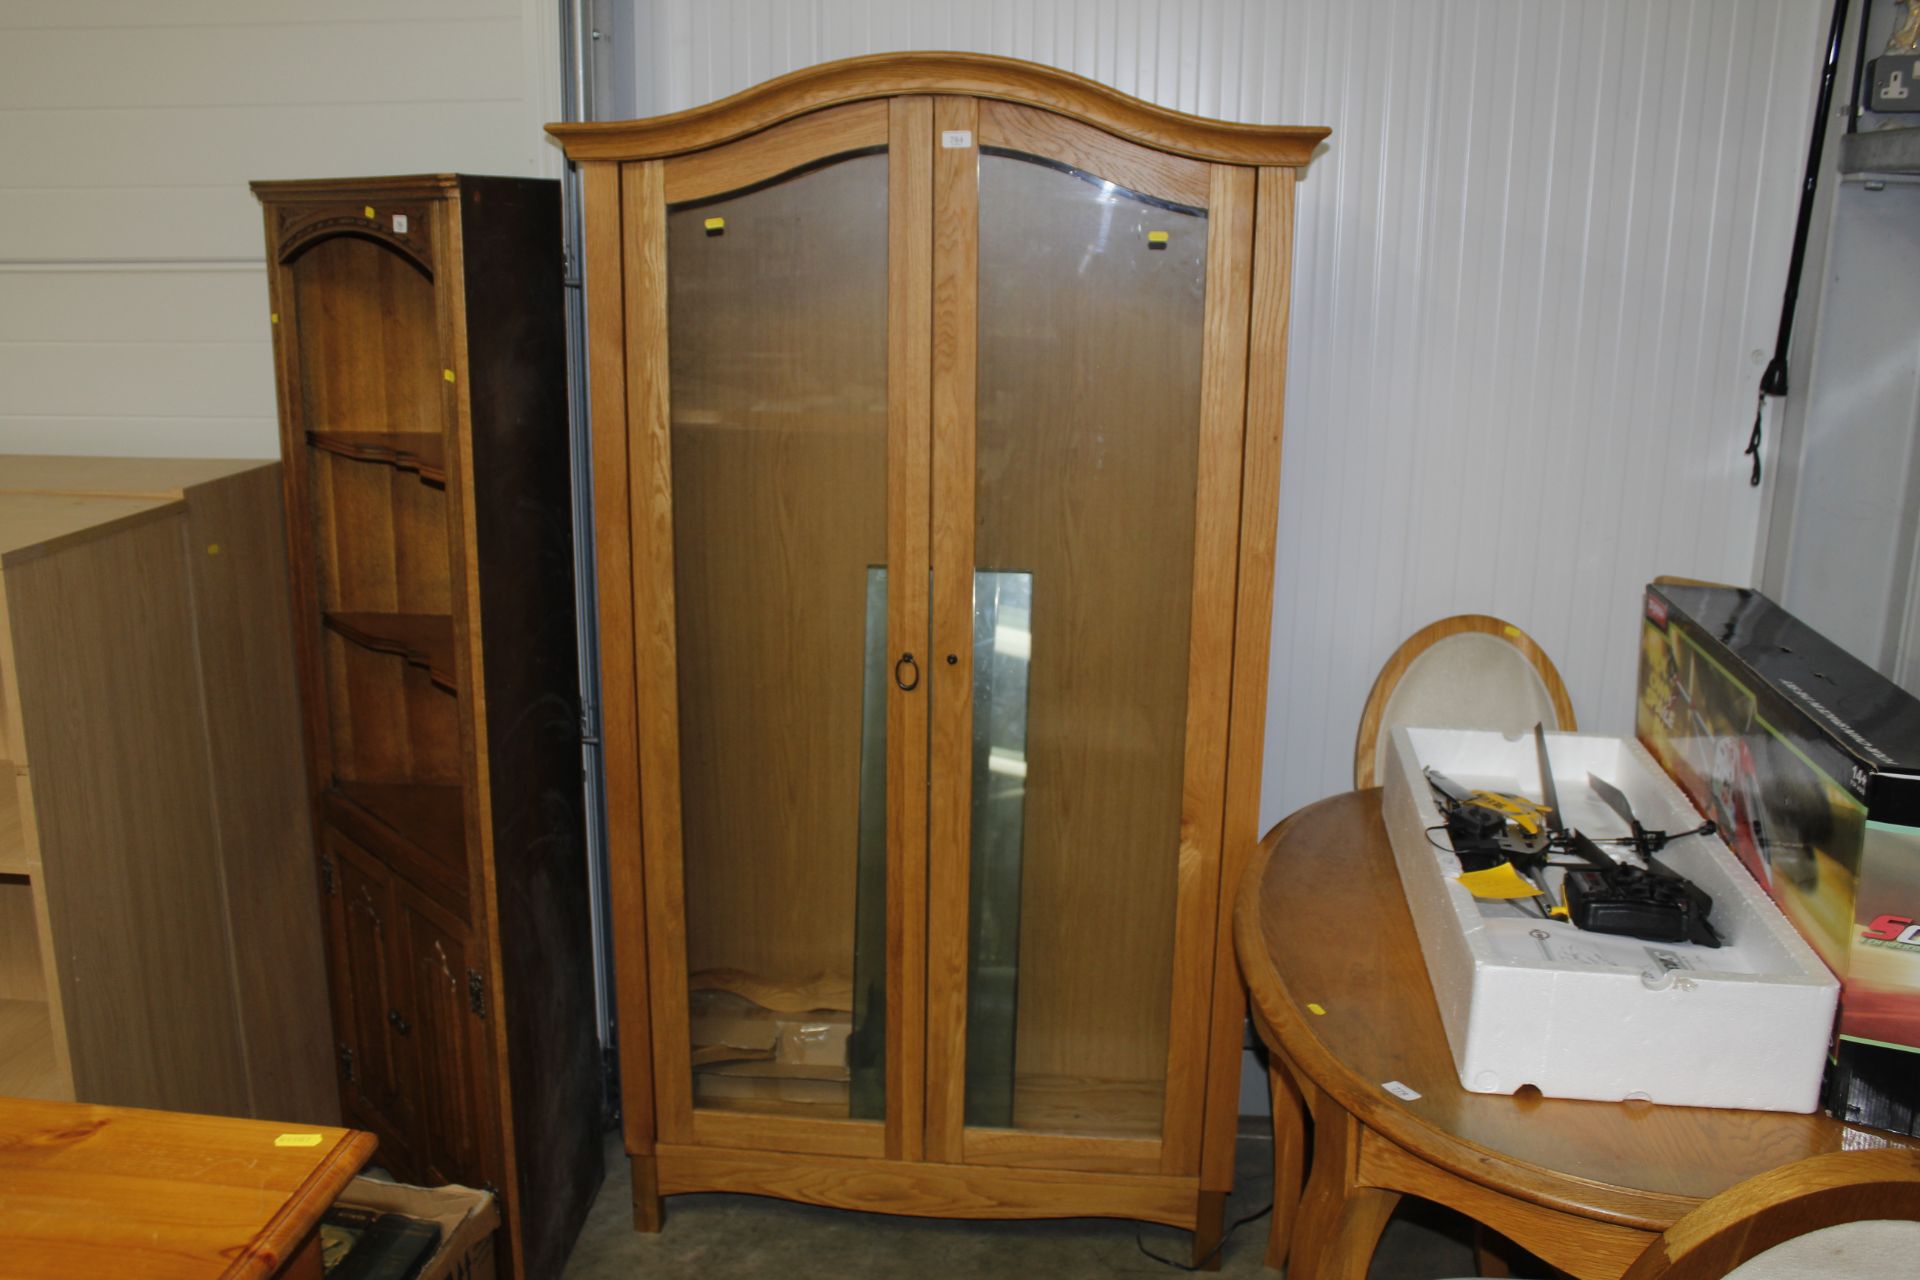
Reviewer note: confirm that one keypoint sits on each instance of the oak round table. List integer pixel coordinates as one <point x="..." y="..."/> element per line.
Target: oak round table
<point x="1340" y="996"/>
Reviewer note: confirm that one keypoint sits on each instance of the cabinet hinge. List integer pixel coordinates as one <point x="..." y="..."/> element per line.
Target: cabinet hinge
<point x="346" y="1063"/>
<point x="476" y="993"/>
<point x="326" y="876"/>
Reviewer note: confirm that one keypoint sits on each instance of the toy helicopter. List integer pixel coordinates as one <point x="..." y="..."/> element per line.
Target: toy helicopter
<point x="1505" y="844"/>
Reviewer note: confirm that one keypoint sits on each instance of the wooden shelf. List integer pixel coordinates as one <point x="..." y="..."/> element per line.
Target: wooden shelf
<point x="428" y="818"/>
<point x="423" y="639"/>
<point x="418" y="452"/>
<point x="13" y="835"/>
<point x="717" y="1089"/>
<point x="27" y="1065"/>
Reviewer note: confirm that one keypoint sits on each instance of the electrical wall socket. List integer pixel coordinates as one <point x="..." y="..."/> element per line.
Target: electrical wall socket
<point x="1895" y="78"/>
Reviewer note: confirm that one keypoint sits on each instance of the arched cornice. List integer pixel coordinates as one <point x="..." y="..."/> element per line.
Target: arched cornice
<point x="976" y="74"/>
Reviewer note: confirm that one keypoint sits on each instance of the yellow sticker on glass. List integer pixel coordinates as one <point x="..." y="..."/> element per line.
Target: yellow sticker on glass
<point x="447" y="374"/>
<point x="297" y="1140"/>
<point x="1499" y="882"/>
<point x="368" y="211"/>
<point x="1316" y="1010"/>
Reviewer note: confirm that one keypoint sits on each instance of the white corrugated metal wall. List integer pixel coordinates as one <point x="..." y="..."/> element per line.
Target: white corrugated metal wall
<point x="1537" y="265"/>
<point x="133" y="294"/>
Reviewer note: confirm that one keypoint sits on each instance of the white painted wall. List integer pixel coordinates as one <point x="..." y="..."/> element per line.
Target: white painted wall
<point x="133" y="309"/>
<point x="1533" y="266"/>
<point x="1857" y="497"/>
<point x="1842" y="544"/>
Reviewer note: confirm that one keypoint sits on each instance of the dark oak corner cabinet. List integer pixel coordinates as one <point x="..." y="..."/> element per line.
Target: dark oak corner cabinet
<point x="420" y="348"/>
<point x="936" y="429"/>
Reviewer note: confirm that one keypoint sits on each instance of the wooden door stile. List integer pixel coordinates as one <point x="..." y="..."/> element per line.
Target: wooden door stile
<point x="909" y="495"/>
<point x="955" y="353"/>
<point x="1253" y="623"/>
<point x="1210" y="649"/>
<point x="619" y="709"/>
<point x="650" y="523"/>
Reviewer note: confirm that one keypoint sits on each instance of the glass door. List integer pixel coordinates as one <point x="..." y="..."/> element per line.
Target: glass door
<point x="1082" y="476"/>
<point x="793" y="649"/>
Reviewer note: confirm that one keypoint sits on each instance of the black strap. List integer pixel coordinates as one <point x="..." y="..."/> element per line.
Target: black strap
<point x="1774" y="381"/>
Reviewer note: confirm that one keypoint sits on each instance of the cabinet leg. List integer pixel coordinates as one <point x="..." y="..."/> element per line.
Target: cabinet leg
<point x="646" y="1193"/>
<point x="1208" y="1223"/>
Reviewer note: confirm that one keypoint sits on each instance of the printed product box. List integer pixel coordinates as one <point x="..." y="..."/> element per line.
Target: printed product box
<point x="1809" y="761"/>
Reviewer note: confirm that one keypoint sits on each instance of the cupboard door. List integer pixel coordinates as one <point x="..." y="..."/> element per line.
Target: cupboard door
<point x="366" y="990"/>
<point x="1085" y="485"/>
<point x="793" y="446"/>
<point x="441" y="1034"/>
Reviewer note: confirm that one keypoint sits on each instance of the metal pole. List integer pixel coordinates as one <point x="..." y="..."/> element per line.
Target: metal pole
<point x="577" y="78"/>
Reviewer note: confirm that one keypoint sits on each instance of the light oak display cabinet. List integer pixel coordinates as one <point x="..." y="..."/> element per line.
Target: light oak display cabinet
<point x="936" y="421"/>
<point x="420" y="351"/>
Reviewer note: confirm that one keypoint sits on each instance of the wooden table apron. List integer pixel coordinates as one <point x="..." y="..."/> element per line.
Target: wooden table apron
<point x="1341" y="997"/>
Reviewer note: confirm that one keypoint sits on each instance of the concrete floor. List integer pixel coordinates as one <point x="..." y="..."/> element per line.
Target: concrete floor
<point x="721" y="1236"/>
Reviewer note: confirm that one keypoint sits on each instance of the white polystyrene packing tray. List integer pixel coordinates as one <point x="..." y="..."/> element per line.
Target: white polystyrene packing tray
<point x="1575" y="1014"/>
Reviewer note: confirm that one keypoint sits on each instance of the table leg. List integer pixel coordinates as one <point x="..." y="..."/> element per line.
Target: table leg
<point x="1363" y="1216"/>
<point x="1492" y="1253"/>
<point x="1340" y="1220"/>
<point x="305" y="1262"/>
<point x="1289" y="1158"/>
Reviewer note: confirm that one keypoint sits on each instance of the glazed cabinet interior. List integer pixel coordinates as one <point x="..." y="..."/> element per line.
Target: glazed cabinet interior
<point x="933" y="526"/>
<point x="419" y="342"/>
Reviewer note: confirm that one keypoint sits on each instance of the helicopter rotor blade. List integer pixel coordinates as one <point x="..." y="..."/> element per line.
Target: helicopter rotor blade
<point x="1646" y="843"/>
<point x="1614" y="798"/>
<point x="1448" y="787"/>
<point x="1549" y="795"/>
<point x="1591" y="852"/>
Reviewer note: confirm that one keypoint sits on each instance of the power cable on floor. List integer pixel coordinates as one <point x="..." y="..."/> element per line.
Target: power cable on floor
<point x="1212" y="1253"/>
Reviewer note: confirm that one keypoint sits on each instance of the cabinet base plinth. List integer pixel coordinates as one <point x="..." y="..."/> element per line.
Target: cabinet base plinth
<point x="928" y="1190"/>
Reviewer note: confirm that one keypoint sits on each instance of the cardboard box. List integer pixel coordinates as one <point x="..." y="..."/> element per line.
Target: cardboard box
<point x="1810" y="762"/>
<point x="720" y="1020"/>
<point x="468" y="1219"/>
<point x="1576" y="1014"/>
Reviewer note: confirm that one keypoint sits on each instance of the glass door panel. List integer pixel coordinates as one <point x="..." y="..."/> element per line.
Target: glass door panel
<point x="1091" y="304"/>
<point x="777" y="302"/>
